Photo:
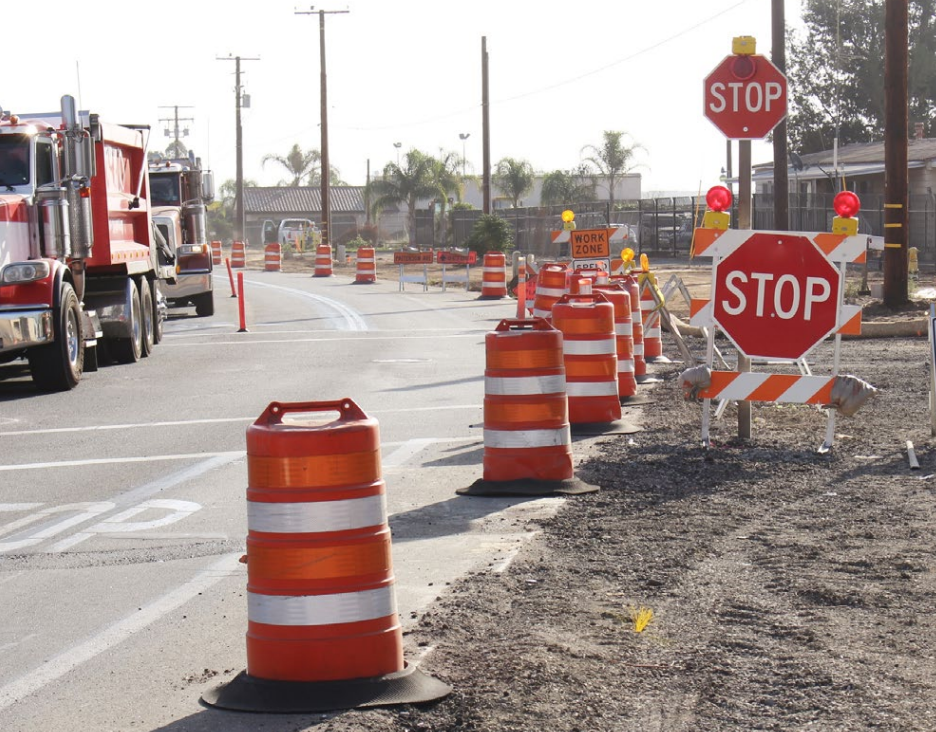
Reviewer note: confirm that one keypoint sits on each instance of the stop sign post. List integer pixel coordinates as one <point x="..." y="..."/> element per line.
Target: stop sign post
<point x="745" y="96"/>
<point x="776" y="296"/>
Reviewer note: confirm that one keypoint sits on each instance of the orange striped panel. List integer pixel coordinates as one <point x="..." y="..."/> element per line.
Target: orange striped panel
<point x="823" y="396"/>
<point x="773" y="388"/>
<point x="702" y="239"/>
<point x="696" y="305"/>
<point x="313" y="471"/>
<point x="720" y="381"/>
<point x="828" y="242"/>
<point x="274" y="561"/>
<point x="853" y="326"/>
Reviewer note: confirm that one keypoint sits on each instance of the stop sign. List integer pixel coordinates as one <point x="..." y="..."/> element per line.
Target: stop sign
<point x="745" y="97"/>
<point x="776" y="296"/>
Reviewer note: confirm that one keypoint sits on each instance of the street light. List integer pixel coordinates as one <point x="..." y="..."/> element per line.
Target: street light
<point x="463" y="136"/>
<point x="398" y="145"/>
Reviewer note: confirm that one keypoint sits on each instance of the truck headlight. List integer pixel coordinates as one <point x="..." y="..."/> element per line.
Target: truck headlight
<point x="19" y="273"/>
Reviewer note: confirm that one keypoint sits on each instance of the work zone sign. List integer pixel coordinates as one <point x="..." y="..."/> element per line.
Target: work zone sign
<point x="590" y="244"/>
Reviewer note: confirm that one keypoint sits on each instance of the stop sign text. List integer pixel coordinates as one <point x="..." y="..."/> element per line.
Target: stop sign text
<point x="738" y="96"/>
<point x="783" y="297"/>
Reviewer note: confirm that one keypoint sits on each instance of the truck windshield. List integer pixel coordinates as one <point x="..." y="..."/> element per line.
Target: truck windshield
<point x="14" y="160"/>
<point x="165" y="190"/>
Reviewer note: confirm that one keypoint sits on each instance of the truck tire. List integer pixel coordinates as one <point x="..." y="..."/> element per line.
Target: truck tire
<point x="159" y="313"/>
<point x="58" y="366"/>
<point x="147" y="319"/>
<point x="204" y="304"/>
<point x="129" y="350"/>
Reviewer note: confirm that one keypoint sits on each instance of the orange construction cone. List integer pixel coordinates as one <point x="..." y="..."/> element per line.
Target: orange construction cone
<point x="322" y="626"/>
<point x="527" y="442"/>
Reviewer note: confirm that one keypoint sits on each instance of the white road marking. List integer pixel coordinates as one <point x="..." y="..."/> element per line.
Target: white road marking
<point x="266" y="341"/>
<point x="57" y="667"/>
<point x="111" y="461"/>
<point x="351" y="318"/>
<point x="188" y="422"/>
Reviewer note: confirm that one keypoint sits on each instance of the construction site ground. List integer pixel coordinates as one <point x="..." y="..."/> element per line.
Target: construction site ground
<point x="755" y="585"/>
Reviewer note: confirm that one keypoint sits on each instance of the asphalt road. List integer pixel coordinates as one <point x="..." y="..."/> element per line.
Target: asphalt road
<point x="123" y="507"/>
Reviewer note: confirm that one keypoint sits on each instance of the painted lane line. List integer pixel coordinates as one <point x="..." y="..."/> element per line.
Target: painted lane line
<point x="226" y="456"/>
<point x="56" y="668"/>
<point x="350" y="317"/>
<point x="188" y="422"/>
<point x="259" y="342"/>
<point x="405" y="452"/>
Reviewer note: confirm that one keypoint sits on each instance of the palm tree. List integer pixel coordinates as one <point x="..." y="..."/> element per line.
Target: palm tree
<point x="568" y="187"/>
<point x="612" y="159"/>
<point x="447" y="179"/>
<point x="405" y="184"/>
<point x="514" y="178"/>
<point x="297" y="162"/>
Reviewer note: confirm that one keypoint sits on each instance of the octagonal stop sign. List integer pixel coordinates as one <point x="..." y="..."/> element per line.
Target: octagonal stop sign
<point x="745" y="97"/>
<point x="776" y="296"/>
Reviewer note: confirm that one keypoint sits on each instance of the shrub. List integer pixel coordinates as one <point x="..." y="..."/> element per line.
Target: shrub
<point x="490" y="233"/>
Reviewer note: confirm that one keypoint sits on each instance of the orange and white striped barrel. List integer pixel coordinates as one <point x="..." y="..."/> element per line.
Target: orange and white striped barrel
<point x="551" y="284"/>
<point x="323" y="261"/>
<point x="581" y="283"/>
<point x="589" y="351"/>
<point x="624" y="336"/>
<point x="598" y="276"/>
<point x="494" y="276"/>
<point x="273" y="258"/>
<point x="238" y="255"/>
<point x="526" y="422"/>
<point x="630" y="284"/>
<point x="320" y="602"/>
<point x="366" y="271"/>
<point x="216" y="255"/>
<point x="652" y="334"/>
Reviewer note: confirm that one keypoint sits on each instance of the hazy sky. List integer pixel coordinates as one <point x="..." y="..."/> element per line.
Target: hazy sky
<point x="407" y="71"/>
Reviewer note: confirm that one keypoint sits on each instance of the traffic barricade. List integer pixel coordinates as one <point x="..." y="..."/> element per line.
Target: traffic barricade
<point x="527" y="438"/>
<point x="409" y="258"/>
<point x="494" y="276"/>
<point x="238" y="255"/>
<point x="590" y="357"/>
<point x="323" y="261"/>
<point x="217" y="256"/>
<point x="323" y="631"/>
<point x="624" y="337"/>
<point x="366" y="272"/>
<point x="551" y="284"/>
<point x="273" y="258"/>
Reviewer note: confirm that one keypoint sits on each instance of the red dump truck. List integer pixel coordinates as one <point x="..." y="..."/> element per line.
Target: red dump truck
<point x="80" y="260"/>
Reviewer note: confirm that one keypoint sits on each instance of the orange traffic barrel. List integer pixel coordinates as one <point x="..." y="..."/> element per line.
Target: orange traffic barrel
<point x="551" y="284"/>
<point x="640" y="365"/>
<point x="238" y="255"/>
<point x="323" y="261"/>
<point x="527" y="437"/>
<point x="216" y="254"/>
<point x="650" y="315"/>
<point x="320" y="598"/>
<point x="590" y="357"/>
<point x="624" y="336"/>
<point x="494" y="276"/>
<point x="366" y="272"/>
<point x="273" y="257"/>
<point x="598" y="275"/>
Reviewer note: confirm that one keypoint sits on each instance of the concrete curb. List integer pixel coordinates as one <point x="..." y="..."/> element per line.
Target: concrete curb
<point x="871" y="329"/>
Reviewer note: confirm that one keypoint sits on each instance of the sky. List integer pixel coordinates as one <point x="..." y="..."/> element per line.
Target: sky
<point x="408" y="72"/>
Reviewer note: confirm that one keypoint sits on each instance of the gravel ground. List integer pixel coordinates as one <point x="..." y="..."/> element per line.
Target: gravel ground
<point x="758" y="585"/>
<point x="788" y="590"/>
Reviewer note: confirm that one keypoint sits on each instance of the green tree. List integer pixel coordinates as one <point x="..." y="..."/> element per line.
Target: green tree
<point x="405" y="184"/>
<point x="567" y="187"/>
<point x="221" y="211"/>
<point x="612" y="159"/>
<point x="297" y="162"/>
<point x="490" y="233"/>
<point x="446" y="179"/>
<point x="514" y="178"/>
<point x="836" y="72"/>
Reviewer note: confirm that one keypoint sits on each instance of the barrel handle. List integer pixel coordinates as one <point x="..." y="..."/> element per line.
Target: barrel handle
<point x="274" y="412"/>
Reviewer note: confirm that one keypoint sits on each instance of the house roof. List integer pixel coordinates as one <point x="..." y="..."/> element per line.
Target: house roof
<point x="864" y="158"/>
<point x="293" y="199"/>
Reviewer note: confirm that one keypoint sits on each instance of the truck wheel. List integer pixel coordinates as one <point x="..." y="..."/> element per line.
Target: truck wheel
<point x="204" y="305"/>
<point x="159" y="313"/>
<point x="58" y="366"/>
<point x="147" y="319"/>
<point x="129" y="350"/>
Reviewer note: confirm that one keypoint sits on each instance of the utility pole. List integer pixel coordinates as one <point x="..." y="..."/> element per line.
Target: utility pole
<point x="326" y="166"/>
<point x="240" y="220"/>
<point x="896" y="131"/>
<point x="175" y="119"/>
<point x="486" y="129"/>
<point x="781" y="178"/>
